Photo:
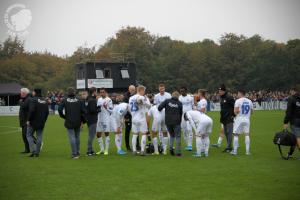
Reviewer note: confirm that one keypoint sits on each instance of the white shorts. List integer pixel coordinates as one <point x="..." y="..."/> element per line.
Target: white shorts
<point x="103" y="126"/>
<point x="159" y="125"/>
<point x="241" y="125"/>
<point x="204" y="127"/>
<point x="115" y="124"/>
<point x="139" y="127"/>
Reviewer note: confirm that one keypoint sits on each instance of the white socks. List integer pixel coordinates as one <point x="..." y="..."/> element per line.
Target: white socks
<point x="207" y="143"/>
<point x="133" y="141"/>
<point x="154" y="140"/>
<point x="190" y="138"/>
<point x="202" y="144"/>
<point x="235" y="143"/>
<point x="199" y="144"/>
<point x="107" y="141"/>
<point x="165" y="143"/>
<point x="247" y="142"/>
<point x="101" y="145"/>
<point x="143" y="142"/>
<point x="161" y="136"/>
<point x="118" y="141"/>
<point x="220" y="140"/>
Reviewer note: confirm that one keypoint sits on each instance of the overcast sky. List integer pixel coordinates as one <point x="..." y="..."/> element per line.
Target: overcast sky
<point x="60" y="26"/>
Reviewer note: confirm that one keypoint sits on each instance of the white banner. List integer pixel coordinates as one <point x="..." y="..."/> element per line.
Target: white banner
<point x="268" y="105"/>
<point x="99" y="83"/>
<point x="80" y="84"/>
<point x="9" y="110"/>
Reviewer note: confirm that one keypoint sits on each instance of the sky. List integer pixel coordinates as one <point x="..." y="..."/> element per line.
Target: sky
<point x="60" y="26"/>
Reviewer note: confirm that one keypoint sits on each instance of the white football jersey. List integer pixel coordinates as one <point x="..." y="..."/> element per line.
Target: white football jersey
<point x="138" y="107"/>
<point x="104" y="115"/>
<point x="187" y="102"/>
<point x="153" y="112"/>
<point x="197" y="117"/>
<point x="120" y="111"/>
<point x="202" y="104"/>
<point x="158" y="98"/>
<point x="245" y="106"/>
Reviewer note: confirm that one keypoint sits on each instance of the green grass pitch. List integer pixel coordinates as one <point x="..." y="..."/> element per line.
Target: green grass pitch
<point x="263" y="175"/>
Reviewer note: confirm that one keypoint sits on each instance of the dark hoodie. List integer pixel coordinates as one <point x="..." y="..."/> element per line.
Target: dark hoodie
<point x="38" y="112"/>
<point x="227" y="109"/>
<point x="292" y="114"/>
<point x="173" y="111"/>
<point x="74" y="112"/>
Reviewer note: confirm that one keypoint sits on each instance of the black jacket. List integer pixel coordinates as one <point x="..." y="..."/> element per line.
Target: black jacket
<point x="173" y="110"/>
<point x="24" y="110"/>
<point x="74" y="112"/>
<point x="292" y="114"/>
<point x="38" y="112"/>
<point x="227" y="109"/>
<point x="91" y="110"/>
<point x="127" y="95"/>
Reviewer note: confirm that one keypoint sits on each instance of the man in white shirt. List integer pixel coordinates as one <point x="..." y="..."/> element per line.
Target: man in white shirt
<point x="187" y="105"/>
<point x="105" y="105"/>
<point x="243" y="108"/>
<point x="158" y="125"/>
<point x="138" y="107"/>
<point x="202" y="104"/>
<point x="117" y="122"/>
<point x="158" y="99"/>
<point x="202" y="125"/>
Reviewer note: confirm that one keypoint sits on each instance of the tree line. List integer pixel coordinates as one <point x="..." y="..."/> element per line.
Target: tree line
<point x="252" y="63"/>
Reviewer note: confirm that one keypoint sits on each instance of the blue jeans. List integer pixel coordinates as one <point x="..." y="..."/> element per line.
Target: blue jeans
<point x="74" y="138"/>
<point x="34" y="144"/>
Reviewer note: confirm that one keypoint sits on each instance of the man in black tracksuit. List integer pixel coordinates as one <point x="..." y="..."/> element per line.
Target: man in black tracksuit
<point x="74" y="116"/>
<point x="127" y="119"/>
<point x="173" y="115"/>
<point x="37" y="117"/>
<point x="292" y="115"/>
<point x="91" y="117"/>
<point x="227" y="115"/>
<point x="23" y="116"/>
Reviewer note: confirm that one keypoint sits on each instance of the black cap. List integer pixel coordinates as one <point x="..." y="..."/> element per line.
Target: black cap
<point x="222" y="87"/>
<point x="38" y="92"/>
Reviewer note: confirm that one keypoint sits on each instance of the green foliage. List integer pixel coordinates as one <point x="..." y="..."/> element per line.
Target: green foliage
<point x="252" y="63"/>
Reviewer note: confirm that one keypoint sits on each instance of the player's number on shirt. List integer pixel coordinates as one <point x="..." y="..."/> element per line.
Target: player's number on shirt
<point x="134" y="106"/>
<point x="245" y="109"/>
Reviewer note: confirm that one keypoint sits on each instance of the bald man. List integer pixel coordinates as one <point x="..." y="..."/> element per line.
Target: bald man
<point x="131" y="91"/>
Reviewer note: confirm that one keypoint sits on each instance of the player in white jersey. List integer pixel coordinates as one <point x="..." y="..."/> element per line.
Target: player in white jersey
<point x="103" y="123"/>
<point x="117" y="122"/>
<point x="158" y="125"/>
<point x="243" y="108"/>
<point x="202" y="104"/>
<point x="187" y="105"/>
<point x="158" y="99"/>
<point x="202" y="125"/>
<point x="138" y="107"/>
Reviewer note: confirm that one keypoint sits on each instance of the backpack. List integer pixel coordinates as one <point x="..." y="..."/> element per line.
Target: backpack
<point x="285" y="138"/>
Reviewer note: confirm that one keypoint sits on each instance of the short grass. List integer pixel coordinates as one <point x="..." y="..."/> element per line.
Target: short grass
<point x="53" y="175"/>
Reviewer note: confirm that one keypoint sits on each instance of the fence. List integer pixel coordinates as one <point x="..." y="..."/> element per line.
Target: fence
<point x="270" y="105"/>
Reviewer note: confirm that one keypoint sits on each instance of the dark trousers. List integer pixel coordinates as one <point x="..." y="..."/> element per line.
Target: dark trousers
<point x="128" y="124"/>
<point x="24" y="137"/>
<point x="228" y="129"/>
<point x="175" y="134"/>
